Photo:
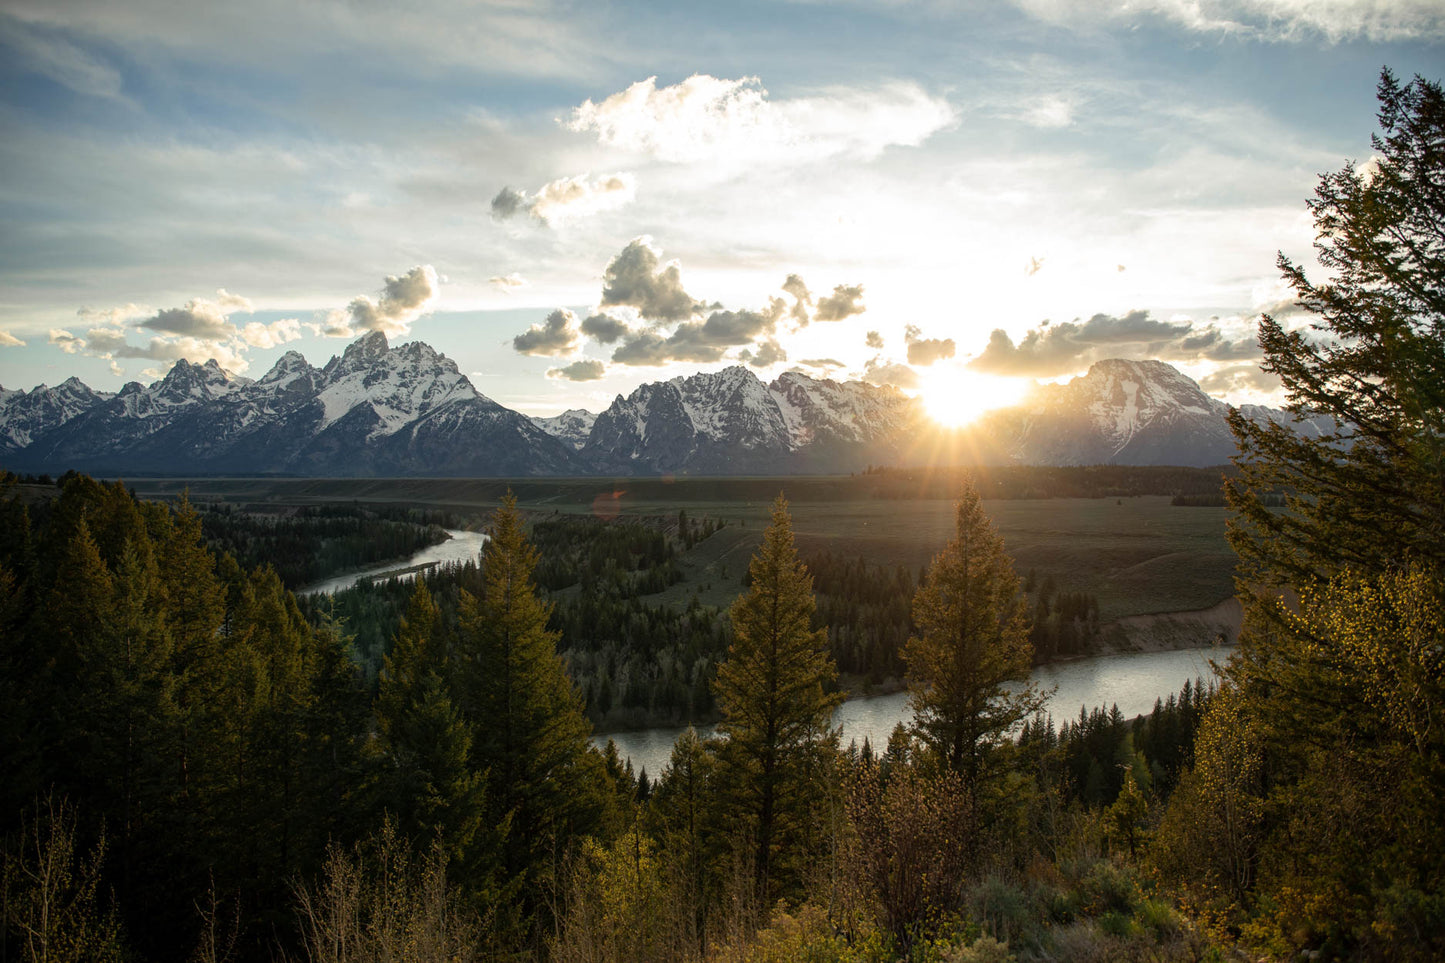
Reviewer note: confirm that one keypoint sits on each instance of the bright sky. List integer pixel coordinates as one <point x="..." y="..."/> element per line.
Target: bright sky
<point x="570" y="199"/>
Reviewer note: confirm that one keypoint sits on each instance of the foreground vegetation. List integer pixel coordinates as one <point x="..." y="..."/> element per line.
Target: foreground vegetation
<point x="196" y="771"/>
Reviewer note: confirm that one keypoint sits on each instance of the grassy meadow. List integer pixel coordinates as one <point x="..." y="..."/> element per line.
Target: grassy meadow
<point x="1136" y="554"/>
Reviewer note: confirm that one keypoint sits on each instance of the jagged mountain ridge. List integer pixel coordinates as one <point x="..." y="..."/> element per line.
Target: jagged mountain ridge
<point x="23" y="414"/>
<point x="1125" y="413"/>
<point x="730" y="422"/>
<point x="379" y="410"/>
<point x="373" y="410"/>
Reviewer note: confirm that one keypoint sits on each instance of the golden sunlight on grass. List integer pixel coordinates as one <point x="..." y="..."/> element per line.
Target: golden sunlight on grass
<point x="955" y="396"/>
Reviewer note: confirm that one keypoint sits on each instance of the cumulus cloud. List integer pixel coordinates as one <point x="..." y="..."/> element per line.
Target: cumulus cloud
<point x="1051" y="350"/>
<point x="588" y="370"/>
<point x="108" y="343"/>
<point x="925" y="351"/>
<point x="882" y="372"/>
<point x="116" y="316"/>
<point x="66" y="341"/>
<point x="567" y="197"/>
<point x="507" y="203"/>
<point x="1277" y="20"/>
<point x="403" y="299"/>
<point x="9" y="340"/>
<point x="822" y="363"/>
<point x="702" y="342"/>
<point x="648" y="348"/>
<point x="802" y="298"/>
<point x="1212" y="344"/>
<point x="507" y="282"/>
<point x="767" y="354"/>
<point x="634" y="278"/>
<point x="200" y="318"/>
<point x="735" y="123"/>
<point x="605" y="329"/>
<point x="558" y="335"/>
<point x="874" y="340"/>
<point x="259" y="335"/>
<point x="844" y="302"/>
<point x="1242" y="379"/>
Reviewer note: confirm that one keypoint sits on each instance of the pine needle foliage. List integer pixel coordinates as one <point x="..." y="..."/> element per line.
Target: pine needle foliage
<point x="774" y="695"/>
<point x="972" y="642"/>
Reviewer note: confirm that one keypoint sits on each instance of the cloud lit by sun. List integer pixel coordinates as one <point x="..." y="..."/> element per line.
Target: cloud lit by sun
<point x="955" y="396"/>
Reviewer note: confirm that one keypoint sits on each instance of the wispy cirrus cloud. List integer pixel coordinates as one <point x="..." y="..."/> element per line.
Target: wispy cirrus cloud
<point x="1335" y="21"/>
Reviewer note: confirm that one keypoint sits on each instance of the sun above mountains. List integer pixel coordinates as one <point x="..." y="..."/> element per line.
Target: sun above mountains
<point x="955" y="396"/>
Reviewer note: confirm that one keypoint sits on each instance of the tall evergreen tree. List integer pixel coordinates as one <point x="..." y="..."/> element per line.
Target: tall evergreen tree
<point x="1337" y="587"/>
<point x="773" y="693"/>
<point x="972" y="642"/>
<point x="529" y="735"/>
<point x="424" y="745"/>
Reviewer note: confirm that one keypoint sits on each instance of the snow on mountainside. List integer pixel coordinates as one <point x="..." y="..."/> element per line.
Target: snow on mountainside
<point x="372" y="410"/>
<point x="1121" y="412"/>
<point x="378" y="410"/>
<point x="572" y="427"/>
<point x="729" y="421"/>
<point x="23" y="414"/>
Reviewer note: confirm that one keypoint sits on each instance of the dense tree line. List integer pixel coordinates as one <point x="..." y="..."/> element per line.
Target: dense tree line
<point x="1047" y="481"/>
<point x="309" y="544"/>
<point x="1310" y="820"/>
<point x="195" y="771"/>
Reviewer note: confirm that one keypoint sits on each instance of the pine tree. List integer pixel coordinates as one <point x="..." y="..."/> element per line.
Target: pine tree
<point x="528" y="731"/>
<point x="776" y="709"/>
<point x="972" y="642"/>
<point x="1336" y="586"/>
<point x="424" y="745"/>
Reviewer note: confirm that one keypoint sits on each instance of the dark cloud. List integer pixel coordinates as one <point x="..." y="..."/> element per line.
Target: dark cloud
<point x="1050" y="350"/>
<point x="702" y="341"/>
<point x="634" y="279"/>
<point x="651" y="349"/>
<point x="925" y="351"/>
<point x="874" y="340"/>
<point x="579" y="371"/>
<point x="794" y="285"/>
<point x="821" y="363"/>
<point x="605" y="329"/>
<point x="507" y="203"/>
<point x="736" y="327"/>
<point x="844" y="302"/>
<point x="1212" y="344"/>
<point x="802" y="299"/>
<point x="199" y="318"/>
<point x="768" y="353"/>
<point x="556" y="335"/>
<point x="403" y="299"/>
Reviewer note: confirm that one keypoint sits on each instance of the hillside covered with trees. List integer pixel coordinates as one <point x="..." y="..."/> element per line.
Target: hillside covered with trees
<point x="196" y="770"/>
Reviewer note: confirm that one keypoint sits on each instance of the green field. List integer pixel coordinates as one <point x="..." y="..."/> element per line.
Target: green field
<point x="1137" y="554"/>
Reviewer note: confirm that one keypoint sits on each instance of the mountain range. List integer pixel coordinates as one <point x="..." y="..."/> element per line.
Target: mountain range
<point x="378" y="410"/>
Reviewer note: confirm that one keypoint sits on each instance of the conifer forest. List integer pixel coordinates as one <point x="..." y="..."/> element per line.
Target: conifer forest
<point x="200" y="766"/>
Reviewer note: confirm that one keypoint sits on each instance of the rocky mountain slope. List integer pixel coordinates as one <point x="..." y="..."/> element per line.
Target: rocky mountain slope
<point x="381" y="410"/>
<point x="374" y="410"/>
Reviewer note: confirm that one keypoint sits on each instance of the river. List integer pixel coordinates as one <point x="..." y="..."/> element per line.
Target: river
<point x="1131" y="681"/>
<point x="460" y="547"/>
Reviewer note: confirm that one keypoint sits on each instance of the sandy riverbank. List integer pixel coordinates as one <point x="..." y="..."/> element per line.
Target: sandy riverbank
<point x="1169" y="631"/>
